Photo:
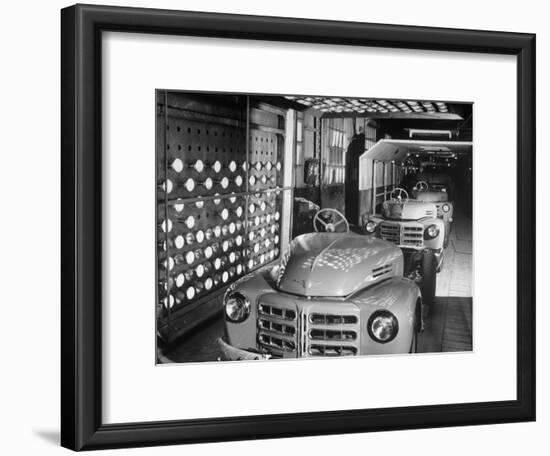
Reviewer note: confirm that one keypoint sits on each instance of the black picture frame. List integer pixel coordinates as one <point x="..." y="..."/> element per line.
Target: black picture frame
<point x="81" y="370"/>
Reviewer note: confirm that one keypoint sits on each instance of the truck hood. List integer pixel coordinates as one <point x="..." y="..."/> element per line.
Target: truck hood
<point x="432" y="196"/>
<point x="410" y="210"/>
<point x="337" y="264"/>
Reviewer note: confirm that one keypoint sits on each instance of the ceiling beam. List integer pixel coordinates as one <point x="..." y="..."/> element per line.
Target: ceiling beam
<point x="393" y="115"/>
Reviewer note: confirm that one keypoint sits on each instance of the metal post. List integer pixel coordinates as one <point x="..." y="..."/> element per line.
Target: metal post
<point x="167" y="272"/>
<point x="384" y="183"/>
<point x="373" y="187"/>
<point x="287" y="202"/>
<point x="247" y="175"/>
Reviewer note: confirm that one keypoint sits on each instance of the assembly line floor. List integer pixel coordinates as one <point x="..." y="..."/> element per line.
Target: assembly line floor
<point x="448" y="326"/>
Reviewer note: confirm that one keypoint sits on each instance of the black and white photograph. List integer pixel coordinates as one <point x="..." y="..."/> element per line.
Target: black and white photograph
<point x="269" y="228"/>
<point x="310" y="226"/>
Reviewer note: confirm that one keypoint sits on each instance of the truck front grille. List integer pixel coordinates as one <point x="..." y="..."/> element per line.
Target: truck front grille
<point x="390" y="232"/>
<point x="285" y="331"/>
<point x="278" y="343"/>
<point x="412" y="235"/>
<point x="331" y="319"/>
<point x="332" y="350"/>
<point x="330" y="334"/>
<point x="405" y="234"/>
<point x="286" y="314"/>
<point x="277" y="329"/>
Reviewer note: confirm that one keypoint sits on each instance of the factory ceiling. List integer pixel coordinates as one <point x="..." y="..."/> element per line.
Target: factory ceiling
<point x="377" y="108"/>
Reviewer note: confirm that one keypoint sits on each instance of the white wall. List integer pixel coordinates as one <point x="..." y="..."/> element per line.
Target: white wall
<point x="29" y="180"/>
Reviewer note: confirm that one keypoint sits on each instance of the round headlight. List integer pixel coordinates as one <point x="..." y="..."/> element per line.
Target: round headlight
<point x="431" y="232"/>
<point x="370" y="226"/>
<point x="445" y="208"/>
<point x="237" y="307"/>
<point x="382" y="326"/>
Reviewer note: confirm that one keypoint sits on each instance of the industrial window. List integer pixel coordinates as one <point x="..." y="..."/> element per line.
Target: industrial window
<point x="334" y="143"/>
<point x="370" y="136"/>
<point x="299" y="158"/>
<point x="307" y="150"/>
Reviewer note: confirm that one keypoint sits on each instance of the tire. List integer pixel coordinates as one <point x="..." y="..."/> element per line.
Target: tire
<point x="440" y="266"/>
<point x="448" y="229"/>
<point x="429" y="271"/>
<point x="414" y="343"/>
<point x="417" y="327"/>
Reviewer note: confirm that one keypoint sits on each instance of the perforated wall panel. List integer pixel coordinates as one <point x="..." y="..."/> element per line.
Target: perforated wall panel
<point x="219" y="194"/>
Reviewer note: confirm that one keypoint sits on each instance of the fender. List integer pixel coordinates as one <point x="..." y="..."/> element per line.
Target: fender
<point x="436" y="243"/>
<point x="398" y="295"/>
<point x="252" y="286"/>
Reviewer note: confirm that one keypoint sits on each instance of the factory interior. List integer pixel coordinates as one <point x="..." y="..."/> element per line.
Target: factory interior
<point x="239" y="176"/>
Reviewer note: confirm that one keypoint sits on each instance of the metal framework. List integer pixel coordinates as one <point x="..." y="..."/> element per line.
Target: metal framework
<point x="220" y="185"/>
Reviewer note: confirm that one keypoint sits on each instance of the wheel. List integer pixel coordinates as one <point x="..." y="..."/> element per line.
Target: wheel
<point x="428" y="270"/>
<point x="441" y="263"/>
<point x="447" y="235"/>
<point x="421" y="186"/>
<point x="417" y="327"/>
<point x="414" y="343"/>
<point x="330" y="227"/>
<point x="399" y="194"/>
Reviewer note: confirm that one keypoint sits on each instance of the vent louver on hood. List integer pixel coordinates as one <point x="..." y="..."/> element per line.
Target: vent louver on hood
<point x="380" y="271"/>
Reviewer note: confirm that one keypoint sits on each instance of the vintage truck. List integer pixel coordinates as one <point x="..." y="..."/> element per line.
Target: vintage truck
<point x="439" y="195"/>
<point x="334" y="293"/>
<point x="415" y="227"/>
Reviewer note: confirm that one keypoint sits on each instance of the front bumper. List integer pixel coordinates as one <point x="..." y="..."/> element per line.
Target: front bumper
<point x="230" y="353"/>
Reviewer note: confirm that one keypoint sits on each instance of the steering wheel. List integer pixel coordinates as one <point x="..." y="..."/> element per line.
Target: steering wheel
<point x="399" y="194"/>
<point x="330" y="227"/>
<point x="421" y="186"/>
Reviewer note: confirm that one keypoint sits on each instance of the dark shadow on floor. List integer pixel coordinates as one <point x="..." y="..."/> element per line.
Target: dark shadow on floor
<point x="448" y="326"/>
<point x="52" y="436"/>
<point x="200" y="345"/>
